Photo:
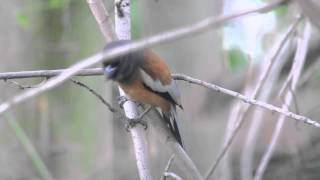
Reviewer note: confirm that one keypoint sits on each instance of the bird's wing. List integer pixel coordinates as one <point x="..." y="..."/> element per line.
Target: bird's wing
<point x="156" y="76"/>
<point x="169" y="91"/>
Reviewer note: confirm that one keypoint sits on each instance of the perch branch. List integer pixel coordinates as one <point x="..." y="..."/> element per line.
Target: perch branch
<point x="122" y="30"/>
<point x="98" y="71"/>
<point x="151" y="41"/>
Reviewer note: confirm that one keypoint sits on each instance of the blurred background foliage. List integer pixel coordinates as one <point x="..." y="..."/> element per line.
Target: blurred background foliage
<point x="77" y="137"/>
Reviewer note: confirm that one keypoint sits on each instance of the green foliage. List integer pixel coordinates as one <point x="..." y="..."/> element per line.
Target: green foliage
<point x="281" y="10"/>
<point x="58" y="4"/>
<point x="135" y="19"/>
<point x="30" y="149"/>
<point x="22" y="19"/>
<point x="237" y="59"/>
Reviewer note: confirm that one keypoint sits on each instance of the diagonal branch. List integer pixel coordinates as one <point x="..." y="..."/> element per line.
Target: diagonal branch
<point x="250" y="101"/>
<point x="151" y="41"/>
<point x="244" y="110"/>
<point x="299" y="61"/>
<point x="103" y="101"/>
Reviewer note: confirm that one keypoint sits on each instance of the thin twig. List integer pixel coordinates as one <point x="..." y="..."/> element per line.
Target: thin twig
<point x="210" y="86"/>
<point x="309" y="72"/>
<point x="109" y="106"/>
<point x="169" y="163"/>
<point x="172" y="175"/>
<point x="165" y="136"/>
<point x="104" y="56"/>
<point x="38" y="163"/>
<point x="295" y="101"/>
<point x="247" y="156"/>
<point x="48" y="73"/>
<point x="271" y="57"/>
<point x="245" y="99"/>
<point x="20" y="86"/>
<point x="166" y="169"/>
<point x="296" y="70"/>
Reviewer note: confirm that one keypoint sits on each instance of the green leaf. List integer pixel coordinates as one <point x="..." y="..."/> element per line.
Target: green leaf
<point x="237" y="59"/>
<point x="57" y="4"/>
<point x="22" y="19"/>
<point x="281" y="10"/>
<point x="135" y="19"/>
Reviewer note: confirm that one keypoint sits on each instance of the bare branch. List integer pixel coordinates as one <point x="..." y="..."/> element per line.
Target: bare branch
<point x="167" y="167"/>
<point x="172" y="175"/>
<point x="247" y="156"/>
<point x="123" y="31"/>
<point x="104" y="56"/>
<point x="309" y="72"/>
<point x="98" y="71"/>
<point x="165" y="37"/>
<point x="296" y="70"/>
<point x="20" y="86"/>
<point x="245" y="99"/>
<point x="166" y="137"/>
<point x="95" y="94"/>
<point x="271" y="57"/>
<point x="48" y="73"/>
<point x="102" y="17"/>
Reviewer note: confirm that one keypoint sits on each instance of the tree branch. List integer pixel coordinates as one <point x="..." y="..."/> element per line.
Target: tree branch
<point x="245" y="99"/>
<point x="122" y="30"/>
<point x="151" y="41"/>
<point x="242" y="111"/>
<point x="299" y="61"/>
<point x="103" y="101"/>
<point x="48" y="73"/>
<point x="166" y="137"/>
<point x="280" y="59"/>
<point x="250" y="101"/>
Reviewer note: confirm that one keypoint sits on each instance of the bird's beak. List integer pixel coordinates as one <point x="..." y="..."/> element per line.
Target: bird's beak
<point x="109" y="71"/>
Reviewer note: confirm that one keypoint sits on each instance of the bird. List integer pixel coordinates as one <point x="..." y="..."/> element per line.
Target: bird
<point x="146" y="78"/>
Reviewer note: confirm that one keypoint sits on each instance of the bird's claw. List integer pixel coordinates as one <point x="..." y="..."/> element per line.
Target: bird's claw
<point x="124" y="99"/>
<point x="130" y="123"/>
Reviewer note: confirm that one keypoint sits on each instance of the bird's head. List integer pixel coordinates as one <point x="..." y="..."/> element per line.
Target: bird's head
<point x="123" y="68"/>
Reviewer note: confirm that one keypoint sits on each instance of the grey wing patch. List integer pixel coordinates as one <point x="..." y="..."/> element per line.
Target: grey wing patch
<point x="157" y="86"/>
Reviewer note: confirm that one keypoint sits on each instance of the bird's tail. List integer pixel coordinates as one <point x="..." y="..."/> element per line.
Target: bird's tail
<point x="171" y="119"/>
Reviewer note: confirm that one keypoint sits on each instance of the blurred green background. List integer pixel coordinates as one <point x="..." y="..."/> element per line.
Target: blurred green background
<point x="76" y="135"/>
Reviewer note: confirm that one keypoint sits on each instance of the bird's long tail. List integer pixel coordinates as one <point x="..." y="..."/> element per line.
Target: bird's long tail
<point x="171" y="119"/>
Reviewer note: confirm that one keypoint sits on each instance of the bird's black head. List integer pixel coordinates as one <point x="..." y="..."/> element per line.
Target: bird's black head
<point x="123" y="68"/>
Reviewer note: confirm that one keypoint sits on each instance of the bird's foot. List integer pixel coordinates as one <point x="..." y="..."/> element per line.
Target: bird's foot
<point x="130" y="123"/>
<point x="139" y="120"/>
<point x="124" y="99"/>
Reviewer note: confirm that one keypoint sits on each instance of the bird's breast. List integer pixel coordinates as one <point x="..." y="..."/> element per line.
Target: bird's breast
<point x="138" y="92"/>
